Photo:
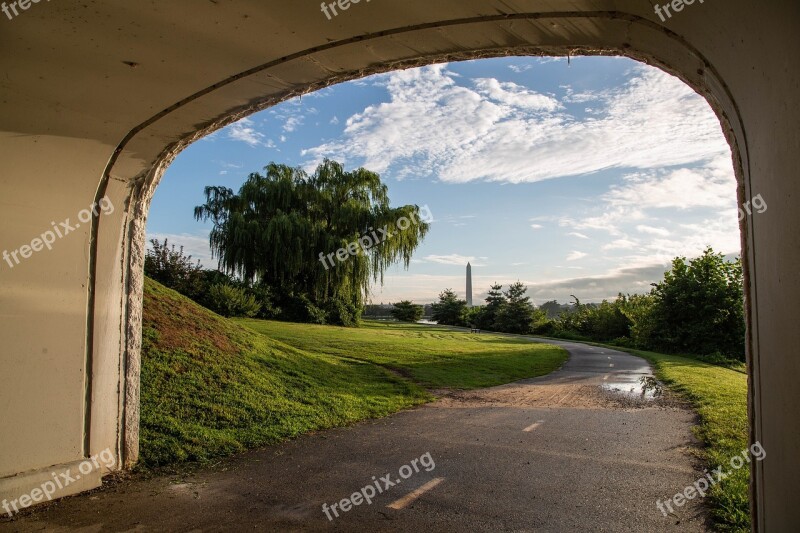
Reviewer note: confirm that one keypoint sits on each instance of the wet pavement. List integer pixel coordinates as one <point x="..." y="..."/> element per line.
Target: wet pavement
<point x="612" y="370"/>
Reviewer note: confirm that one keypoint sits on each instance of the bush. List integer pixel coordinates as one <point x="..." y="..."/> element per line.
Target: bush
<point x="449" y="310"/>
<point x="339" y="313"/>
<point x="173" y="269"/>
<point x="406" y="311"/>
<point x="265" y="297"/>
<point x="546" y="328"/>
<point x="623" y="342"/>
<point x="231" y="301"/>
<point x="301" y="309"/>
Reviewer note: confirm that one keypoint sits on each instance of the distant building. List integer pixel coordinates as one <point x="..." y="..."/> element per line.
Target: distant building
<point x="469" y="285"/>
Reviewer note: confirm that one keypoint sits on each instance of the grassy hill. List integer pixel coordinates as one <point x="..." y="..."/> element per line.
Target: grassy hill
<point x="212" y="386"/>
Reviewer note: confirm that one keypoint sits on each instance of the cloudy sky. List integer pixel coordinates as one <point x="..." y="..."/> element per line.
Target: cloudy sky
<point x="584" y="178"/>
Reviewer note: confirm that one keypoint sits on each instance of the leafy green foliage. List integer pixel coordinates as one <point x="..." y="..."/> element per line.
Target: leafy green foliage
<point x="280" y="226"/>
<point x="486" y="315"/>
<point x="173" y="268"/>
<point x="697" y="309"/>
<point x="339" y="313"/>
<point x="449" y="310"/>
<point x="638" y="308"/>
<point x="700" y="307"/>
<point x="406" y="311"/>
<point x="232" y="301"/>
<point x="515" y="315"/>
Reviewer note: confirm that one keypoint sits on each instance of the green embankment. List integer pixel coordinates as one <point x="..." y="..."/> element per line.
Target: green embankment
<point x="212" y="387"/>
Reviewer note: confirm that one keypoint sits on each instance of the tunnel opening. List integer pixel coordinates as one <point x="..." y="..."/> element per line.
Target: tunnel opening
<point x="735" y="185"/>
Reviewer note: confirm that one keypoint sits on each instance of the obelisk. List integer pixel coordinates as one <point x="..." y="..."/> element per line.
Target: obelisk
<point x="469" y="285"/>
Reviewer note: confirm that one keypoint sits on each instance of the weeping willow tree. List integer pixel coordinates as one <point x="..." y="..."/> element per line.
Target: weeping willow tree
<point x="280" y="224"/>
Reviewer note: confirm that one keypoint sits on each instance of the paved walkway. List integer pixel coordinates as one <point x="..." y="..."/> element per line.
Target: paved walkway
<point x="572" y="451"/>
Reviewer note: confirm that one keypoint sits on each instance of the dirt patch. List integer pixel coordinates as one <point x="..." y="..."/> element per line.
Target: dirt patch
<point x="567" y="395"/>
<point x="180" y="325"/>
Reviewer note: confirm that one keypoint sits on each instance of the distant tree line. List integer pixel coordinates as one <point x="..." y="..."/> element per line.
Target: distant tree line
<point x="698" y="308"/>
<point x="385" y="310"/>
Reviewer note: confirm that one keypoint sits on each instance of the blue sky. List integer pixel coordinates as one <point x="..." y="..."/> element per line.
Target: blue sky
<point x="583" y="178"/>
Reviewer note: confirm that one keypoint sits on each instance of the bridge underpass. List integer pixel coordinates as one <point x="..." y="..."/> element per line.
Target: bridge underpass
<point x="98" y="97"/>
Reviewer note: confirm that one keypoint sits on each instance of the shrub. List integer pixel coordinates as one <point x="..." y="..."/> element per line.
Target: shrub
<point x="546" y="328"/>
<point x="231" y="301"/>
<point x="339" y="313"/>
<point x="406" y="311"/>
<point x="265" y="297"/>
<point x="173" y="269"/>
<point x="449" y="310"/>
<point x="299" y="308"/>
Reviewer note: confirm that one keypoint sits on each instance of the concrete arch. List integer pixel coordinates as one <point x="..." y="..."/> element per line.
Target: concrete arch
<point x="119" y="148"/>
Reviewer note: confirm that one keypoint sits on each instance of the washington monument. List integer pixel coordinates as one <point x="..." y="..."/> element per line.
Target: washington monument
<point x="469" y="285"/>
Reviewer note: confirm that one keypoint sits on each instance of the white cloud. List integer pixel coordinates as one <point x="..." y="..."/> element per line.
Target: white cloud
<point x="452" y="259"/>
<point x="292" y="123"/>
<point x="537" y="226"/>
<point x="555" y="59"/>
<point x="195" y="245"/>
<point x="574" y="256"/>
<point x="496" y="129"/>
<point x="671" y="212"/>
<point x="335" y="120"/>
<point x="712" y="186"/>
<point x="578" y="235"/>
<point x="661" y="232"/>
<point x="634" y="280"/>
<point x="520" y="68"/>
<point x="515" y="95"/>
<point x="621" y="244"/>
<point x="244" y="131"/>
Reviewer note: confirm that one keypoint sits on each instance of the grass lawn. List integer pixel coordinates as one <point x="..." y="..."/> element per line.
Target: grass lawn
<point x="211" y="387"/>
<point x="434" y="357"/>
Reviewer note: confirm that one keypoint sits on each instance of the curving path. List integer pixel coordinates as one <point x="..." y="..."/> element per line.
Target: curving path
<point x="572" y="451"/>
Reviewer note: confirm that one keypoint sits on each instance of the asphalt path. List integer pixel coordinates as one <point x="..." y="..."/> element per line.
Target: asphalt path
<point x="577" y="450"/>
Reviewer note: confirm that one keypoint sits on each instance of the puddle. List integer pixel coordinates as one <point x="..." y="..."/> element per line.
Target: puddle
<point x="647" y="388"/>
